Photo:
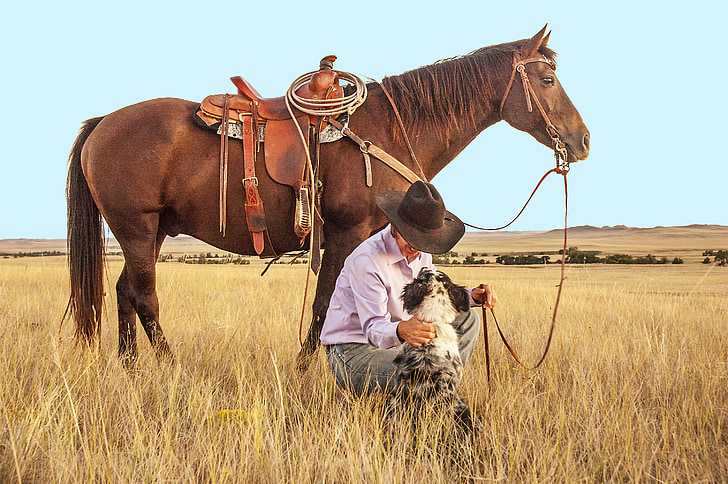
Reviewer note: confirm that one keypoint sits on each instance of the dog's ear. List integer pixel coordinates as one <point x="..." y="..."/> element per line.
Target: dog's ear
<point x="459" y="296"/>
<point x="413" y="294"/>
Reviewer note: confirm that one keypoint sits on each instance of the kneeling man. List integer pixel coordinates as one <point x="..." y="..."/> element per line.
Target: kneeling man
<point x="366" y="322"/>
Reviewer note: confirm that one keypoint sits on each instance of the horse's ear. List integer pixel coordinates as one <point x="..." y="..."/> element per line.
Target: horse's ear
<point x="545" y="40"/>
<point x="530" y="48"/>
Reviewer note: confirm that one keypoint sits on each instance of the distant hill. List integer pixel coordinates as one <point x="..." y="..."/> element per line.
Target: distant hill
<point x="617" y="238"/>
<point x="181" y="243"/>
<point x="622" y="229"/>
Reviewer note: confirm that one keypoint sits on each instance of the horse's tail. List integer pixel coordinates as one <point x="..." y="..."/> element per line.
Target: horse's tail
<point x="85" y="245"/>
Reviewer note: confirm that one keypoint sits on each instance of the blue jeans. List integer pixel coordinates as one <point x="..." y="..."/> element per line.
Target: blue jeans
<point x="363" y="368"/>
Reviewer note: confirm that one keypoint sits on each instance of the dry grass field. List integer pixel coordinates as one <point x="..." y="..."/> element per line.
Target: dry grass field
<point x="635" y="386"/>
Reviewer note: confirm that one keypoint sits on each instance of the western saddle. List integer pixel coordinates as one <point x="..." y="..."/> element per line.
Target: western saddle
<point x="286" y="135"/>
<point x="290" y="128"/>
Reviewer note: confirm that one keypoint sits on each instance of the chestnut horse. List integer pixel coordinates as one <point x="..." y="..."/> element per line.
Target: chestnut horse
<point x="150" y="172"/>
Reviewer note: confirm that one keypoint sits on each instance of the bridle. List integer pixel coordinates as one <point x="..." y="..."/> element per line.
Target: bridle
<point x="519" y="66"/>
<point x="559" y="147"/>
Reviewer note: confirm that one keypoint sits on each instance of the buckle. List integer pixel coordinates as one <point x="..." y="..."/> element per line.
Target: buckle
<point x="254" y="179"/>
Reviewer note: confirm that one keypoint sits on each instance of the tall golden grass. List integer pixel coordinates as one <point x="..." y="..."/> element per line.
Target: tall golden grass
<point x="634" y="387"/>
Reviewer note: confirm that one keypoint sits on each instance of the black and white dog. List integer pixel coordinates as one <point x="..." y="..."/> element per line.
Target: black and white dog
<point x="432" y="372"/>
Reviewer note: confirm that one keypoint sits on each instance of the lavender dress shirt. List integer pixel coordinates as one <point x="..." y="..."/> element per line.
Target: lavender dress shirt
<point x="366" y="306"/>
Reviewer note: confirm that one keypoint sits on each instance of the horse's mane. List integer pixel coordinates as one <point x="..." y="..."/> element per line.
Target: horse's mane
<point x="447" y="95"/>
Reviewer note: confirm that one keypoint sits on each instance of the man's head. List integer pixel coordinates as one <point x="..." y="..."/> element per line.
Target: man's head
<point x="420" y="220"/>
<point x="405" y="247"/>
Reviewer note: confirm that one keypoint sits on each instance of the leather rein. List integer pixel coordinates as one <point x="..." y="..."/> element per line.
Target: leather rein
<point x="561" y="168"/>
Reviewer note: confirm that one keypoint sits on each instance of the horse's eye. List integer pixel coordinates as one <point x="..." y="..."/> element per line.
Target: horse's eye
<point x="548" y="81"/>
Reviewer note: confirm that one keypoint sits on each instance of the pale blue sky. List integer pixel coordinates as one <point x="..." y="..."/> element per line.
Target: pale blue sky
<point x="648" y="80"/>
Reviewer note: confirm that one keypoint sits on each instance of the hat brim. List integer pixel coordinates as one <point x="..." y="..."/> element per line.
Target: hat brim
<point x="436" y="241"/>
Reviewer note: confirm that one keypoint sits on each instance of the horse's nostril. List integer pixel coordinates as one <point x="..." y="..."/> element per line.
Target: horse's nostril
<point x="585" y="141"/>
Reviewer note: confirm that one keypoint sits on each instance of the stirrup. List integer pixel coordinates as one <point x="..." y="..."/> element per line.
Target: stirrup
<point x="302" y="225"/>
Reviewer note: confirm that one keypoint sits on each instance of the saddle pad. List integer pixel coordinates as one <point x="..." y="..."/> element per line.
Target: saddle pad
<point x="235" y="131"/>
<point x="328" y="135"/>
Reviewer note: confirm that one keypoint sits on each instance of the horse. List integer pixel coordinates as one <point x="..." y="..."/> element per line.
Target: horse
<point x="150" y="172"/>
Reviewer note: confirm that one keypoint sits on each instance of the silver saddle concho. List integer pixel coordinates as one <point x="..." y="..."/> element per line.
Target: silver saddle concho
<point x="328" y="135"/>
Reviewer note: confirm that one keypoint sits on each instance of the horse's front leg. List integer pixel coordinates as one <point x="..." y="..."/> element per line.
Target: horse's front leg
<point x="339" y="244"/>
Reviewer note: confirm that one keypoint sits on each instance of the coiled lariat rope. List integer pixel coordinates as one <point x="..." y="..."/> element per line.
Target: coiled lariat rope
<point x="327" y="107"/>
<point x="322" y="108"/>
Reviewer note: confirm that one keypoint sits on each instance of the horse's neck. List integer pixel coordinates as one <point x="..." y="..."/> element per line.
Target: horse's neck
<point x="439" y="157"/>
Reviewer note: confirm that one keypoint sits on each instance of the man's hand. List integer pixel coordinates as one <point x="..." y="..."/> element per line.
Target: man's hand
<point x="483" y="295"/>
<point x="416" y="332"/>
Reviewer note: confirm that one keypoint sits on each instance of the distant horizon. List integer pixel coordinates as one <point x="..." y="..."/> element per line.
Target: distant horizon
<point x="468" y="231"/>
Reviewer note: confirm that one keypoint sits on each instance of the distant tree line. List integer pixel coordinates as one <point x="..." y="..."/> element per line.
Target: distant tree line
<point x="205" y="258"/>
<point x="41" y="253"/>
<point x="576" y="256"/>
<point x="220" y="259"/>
<point x="720" y="256"/>
<point x="520" y="260"/>
<point x="443" y="259"/>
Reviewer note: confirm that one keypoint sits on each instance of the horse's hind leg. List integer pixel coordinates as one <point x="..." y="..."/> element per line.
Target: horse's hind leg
<point x="127" y="321"/>
<point x="127" y="313"/>
<point x="141" y="248"/>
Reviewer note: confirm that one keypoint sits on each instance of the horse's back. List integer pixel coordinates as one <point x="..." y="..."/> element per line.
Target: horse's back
<point x="138" y="158"/>
<point x="148" y="123"/>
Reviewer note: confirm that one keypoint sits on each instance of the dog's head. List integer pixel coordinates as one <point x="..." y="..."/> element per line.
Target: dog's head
<point x="434" y="288"/>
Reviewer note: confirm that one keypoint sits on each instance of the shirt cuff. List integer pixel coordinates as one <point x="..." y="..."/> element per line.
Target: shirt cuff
<point x="388" y="335"/>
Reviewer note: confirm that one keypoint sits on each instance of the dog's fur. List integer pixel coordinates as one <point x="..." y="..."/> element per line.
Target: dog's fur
<point x="431" y="373"/>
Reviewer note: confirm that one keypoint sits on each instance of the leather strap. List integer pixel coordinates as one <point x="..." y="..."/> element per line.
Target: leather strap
<point x="224" y="163"/>
<point x="392" y="162"/>
<point x="519" y="66"/>
<point x="547" y="346"/>
<point x="254" y="212"/>
<point x="523" y="207"/>
<point x="487" y="347"/>
<point x="368" y="148"/>
<point x="402" y="128"/>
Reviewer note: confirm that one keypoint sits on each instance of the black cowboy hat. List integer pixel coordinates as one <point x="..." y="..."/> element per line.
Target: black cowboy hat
<point x="420" y="216"/>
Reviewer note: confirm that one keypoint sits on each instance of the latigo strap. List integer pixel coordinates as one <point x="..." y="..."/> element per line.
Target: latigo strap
<point x="224" y="125"/>
<point x="254" y="212"/>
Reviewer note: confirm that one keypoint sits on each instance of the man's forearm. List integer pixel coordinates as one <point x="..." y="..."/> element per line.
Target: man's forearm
<point x="382" y="332"/>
